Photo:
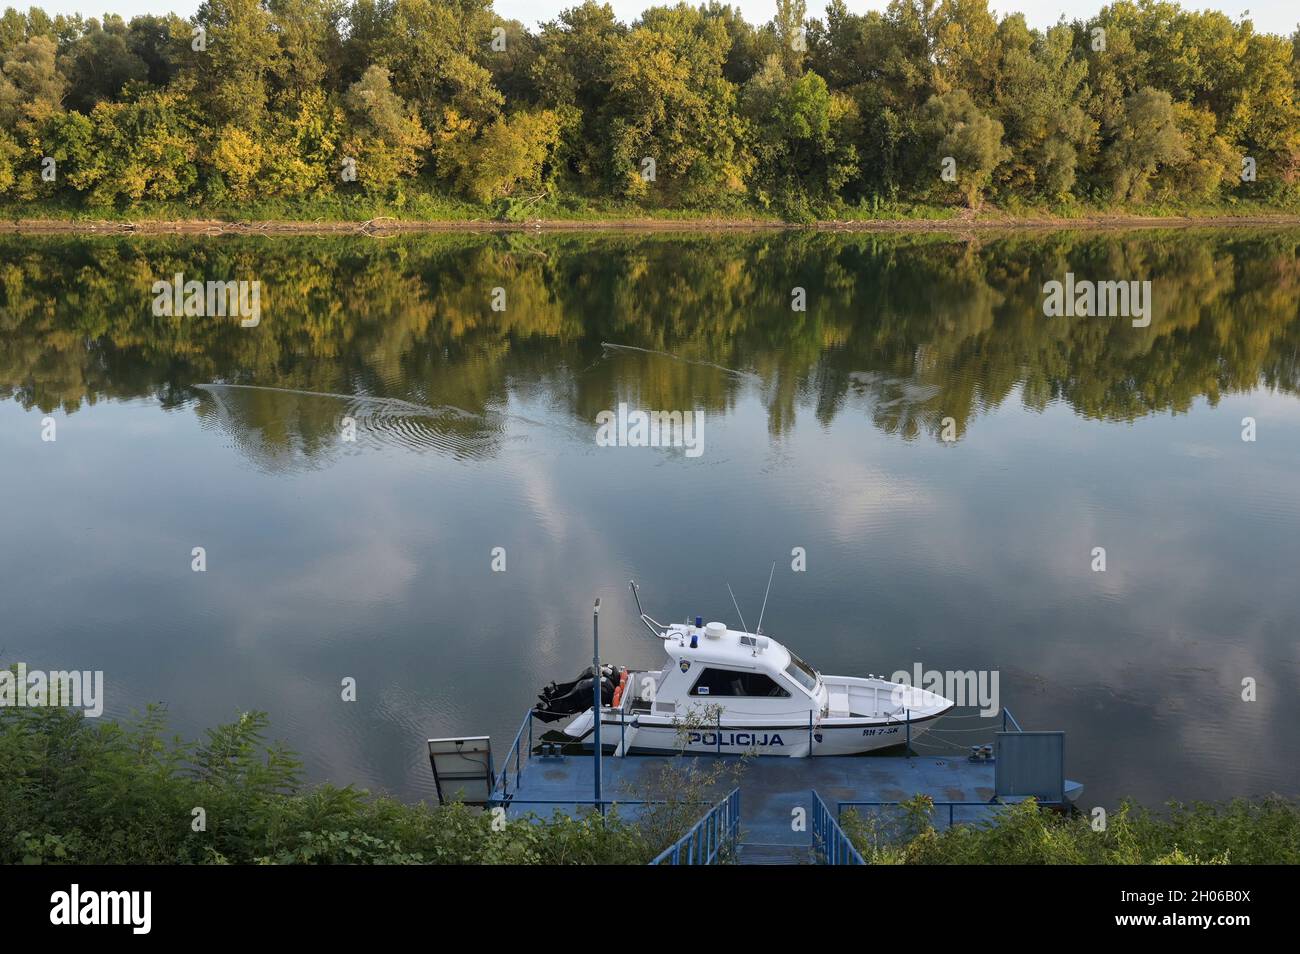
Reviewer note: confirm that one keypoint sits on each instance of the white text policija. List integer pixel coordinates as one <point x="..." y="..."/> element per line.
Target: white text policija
<point x="103" y="908"/>
<point x="1087" y="299"/>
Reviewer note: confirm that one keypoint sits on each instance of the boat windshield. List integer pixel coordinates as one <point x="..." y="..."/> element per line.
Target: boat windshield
<point x="802" y="673"/>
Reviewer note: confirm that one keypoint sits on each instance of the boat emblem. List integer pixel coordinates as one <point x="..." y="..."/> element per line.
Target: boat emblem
<point x="685" y="664"/>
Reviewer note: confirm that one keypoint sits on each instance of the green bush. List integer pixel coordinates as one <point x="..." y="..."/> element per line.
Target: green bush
<point x="1236" y="832"/>
<point x="96" y="792"/>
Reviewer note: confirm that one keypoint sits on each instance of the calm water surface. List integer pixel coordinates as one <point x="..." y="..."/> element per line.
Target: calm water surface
<point x="822" y="430"/>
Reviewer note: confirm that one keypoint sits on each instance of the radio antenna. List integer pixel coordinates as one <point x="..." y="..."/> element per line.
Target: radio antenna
<point x="737" y="605"/>
<point x="759" y="631"/>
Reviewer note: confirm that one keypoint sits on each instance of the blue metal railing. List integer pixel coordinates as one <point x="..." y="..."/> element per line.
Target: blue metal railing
<point x="833" y="845"/>
<point x="578" y="802"/>
<point x="501" y="788"/>
<point x="520" y="753"/>
<point x="1008" y="717"/>
<point x="504" y="792"/>
<point x="983" y="807"/>
<point x="705" y="841"/>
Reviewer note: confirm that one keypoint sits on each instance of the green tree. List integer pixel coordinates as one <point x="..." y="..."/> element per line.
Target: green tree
<point x="157" y="42"/>
<point x="574" y="74"/>
<point x="959" y="131"/>
<point x="1144" y="137"/>
<point x="99" y="64"/>
<point x="29" y="78"/>
<point x="10" y="157"/>
<point x="435" y="52"/>
<point x="670" y="103"/>
<point x="232" y="75"/>
<point x="145" y="148"/>
<point x="802" y="137"/>
<point x="311" y="48"/>
<point x="788" y="26"/>
<point x="1039" y="83"/>
<point x="749" y="48"/>
<point x="507" y="153"/>
<point x="385" y="136"/>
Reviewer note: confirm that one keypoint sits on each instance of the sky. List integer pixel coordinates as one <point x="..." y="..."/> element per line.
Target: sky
<point x="1270" y="16"/>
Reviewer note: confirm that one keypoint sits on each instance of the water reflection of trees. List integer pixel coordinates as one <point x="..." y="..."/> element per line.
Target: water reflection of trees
<point x="911" y="328"/>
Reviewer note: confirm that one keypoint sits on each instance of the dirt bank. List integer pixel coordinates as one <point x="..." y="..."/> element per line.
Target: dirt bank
<point x="391" y="226"/>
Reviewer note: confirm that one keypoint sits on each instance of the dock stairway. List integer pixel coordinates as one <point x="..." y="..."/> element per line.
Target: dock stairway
<point x="716" y="838"/>
<point x="766" y="853"/>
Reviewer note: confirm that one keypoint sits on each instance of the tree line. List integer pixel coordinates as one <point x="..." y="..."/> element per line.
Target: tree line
<point x="930" y="101"/>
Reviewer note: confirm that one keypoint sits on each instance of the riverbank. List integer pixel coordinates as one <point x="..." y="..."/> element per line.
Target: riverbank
<point x="435" y="214"/>
<point x="392" y="226"/>
<point x="63" y="802"/>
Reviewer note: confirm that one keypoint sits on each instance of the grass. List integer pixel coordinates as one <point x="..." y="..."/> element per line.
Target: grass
<point x="418" y="207"/>
<point x="426" y="205"/>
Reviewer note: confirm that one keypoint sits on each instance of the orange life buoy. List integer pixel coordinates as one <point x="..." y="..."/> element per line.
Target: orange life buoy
<point x="618" y="693"/>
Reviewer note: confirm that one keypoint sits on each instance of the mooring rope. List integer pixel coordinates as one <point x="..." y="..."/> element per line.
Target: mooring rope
<point x="983" y="728"/>
<point x="952" y="746"/>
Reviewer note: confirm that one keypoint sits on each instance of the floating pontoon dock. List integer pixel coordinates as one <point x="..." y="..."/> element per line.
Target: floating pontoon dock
<point x="540" y="778"/>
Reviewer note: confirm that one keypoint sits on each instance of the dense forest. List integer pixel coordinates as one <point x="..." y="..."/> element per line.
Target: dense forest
<point x="932" y="102"/>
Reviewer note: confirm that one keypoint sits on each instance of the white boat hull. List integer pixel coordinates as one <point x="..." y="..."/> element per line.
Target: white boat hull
<point x="851" y="737"/>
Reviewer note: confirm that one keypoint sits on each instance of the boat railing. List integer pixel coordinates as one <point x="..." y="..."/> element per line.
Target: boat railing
<point x="1008" y="718"/>
<point x="834" y="846"/>
<point x="706" y="840"/>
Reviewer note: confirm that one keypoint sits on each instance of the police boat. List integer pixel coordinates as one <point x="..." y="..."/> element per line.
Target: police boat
<point x="730" y="691"/>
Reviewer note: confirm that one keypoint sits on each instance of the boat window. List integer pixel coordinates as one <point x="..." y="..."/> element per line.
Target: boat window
<point x="802" y="673"/>
<point x="728" y="682"/>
